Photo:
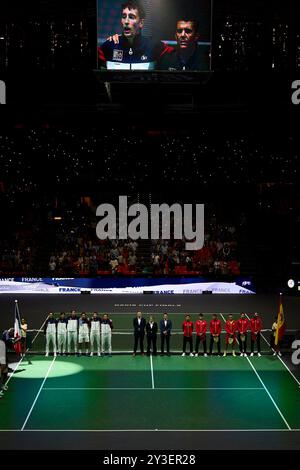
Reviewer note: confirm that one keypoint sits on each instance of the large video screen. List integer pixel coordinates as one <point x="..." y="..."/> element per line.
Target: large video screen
<point x="168" y="35"/>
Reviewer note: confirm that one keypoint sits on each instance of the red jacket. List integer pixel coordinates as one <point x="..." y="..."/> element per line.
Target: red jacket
<point x="255" y="324"/>
<point x="201" y="327"/>
<point x="243" y="325"/>
<point x="215" y="327"/>
<point x="230" y="327"/>
<point x="187" y="327"/>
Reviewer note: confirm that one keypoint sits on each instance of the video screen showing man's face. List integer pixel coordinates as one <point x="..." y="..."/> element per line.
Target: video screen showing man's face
<point x="131" y="22"/>
<point x="154" y="34"/>
<point x="186" y="34"/>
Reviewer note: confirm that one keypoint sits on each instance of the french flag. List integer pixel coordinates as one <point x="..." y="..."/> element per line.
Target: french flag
<point x="17" y="329"/>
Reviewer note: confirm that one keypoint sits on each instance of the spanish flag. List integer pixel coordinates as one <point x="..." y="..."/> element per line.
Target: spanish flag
<point x="280" y="323"/>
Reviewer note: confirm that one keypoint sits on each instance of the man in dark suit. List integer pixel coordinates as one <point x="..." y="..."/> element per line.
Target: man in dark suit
<point x="151" y="330"/>
<point x="139" y="325"/>
<point x="165" y="327"/>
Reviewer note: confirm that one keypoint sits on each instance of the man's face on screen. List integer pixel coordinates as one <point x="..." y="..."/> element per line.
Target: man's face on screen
<point x="186" y="34"/>
<point x="131" y="22"/>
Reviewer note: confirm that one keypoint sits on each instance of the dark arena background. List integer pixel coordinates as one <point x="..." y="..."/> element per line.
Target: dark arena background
<point x="84" y="121"/>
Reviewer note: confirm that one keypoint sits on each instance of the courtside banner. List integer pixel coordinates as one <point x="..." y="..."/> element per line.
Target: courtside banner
<point x="122" y="286"/>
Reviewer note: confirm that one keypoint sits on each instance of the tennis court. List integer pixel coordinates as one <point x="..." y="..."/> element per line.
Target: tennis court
<point x="125" y="393"/>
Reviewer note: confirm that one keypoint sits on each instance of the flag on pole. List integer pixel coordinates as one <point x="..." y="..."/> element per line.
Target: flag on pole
<point x="17" y="329"/>
<point x="280" y="323"/>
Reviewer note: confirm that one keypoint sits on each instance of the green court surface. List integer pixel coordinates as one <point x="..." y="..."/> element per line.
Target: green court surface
<point x="145" y="393"/>
<point x="122" y="340"/>
<point x="126" y="393"/>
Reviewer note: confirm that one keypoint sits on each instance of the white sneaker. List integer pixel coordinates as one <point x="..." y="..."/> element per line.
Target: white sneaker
<point x="258" y="354"/>
<point x="191" y="355"/>
<point x="252" y="354"/>
<point x="274" y="353"/>
<point x="245" y="354"/>
<point x="91" y="354"/>
<point x="196" y="355"/>
<point x="183" y="354"/>
<point x="205" y="355"/>
<point x="279" y="353"/>
<point x="54" y="354"/>
<point x="224" y="355"/>
<point x="47" y="354"/>
<point x="99" y="353"/>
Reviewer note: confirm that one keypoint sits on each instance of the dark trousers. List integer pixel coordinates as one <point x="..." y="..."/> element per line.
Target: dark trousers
<point x="187" y="339"/>
<point x="257" y="341"/>
<point x="137" y="337"/>
<point x="151" y="340"/>
<point x="242" y="344"/>
<point x="165" y="339"/>
<point x="198" y="340"/>
<point x="211" y="344"/>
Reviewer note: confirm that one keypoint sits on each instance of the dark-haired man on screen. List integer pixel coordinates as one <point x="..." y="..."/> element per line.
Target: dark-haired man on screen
<point x="130" y="50"/>
<point x="187" y="55"/>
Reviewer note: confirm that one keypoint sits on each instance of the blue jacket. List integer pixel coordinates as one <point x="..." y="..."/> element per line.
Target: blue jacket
<point x="141" y="51"/>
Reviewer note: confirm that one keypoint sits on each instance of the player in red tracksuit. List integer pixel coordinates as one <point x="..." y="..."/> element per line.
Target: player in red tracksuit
<point x="201" y="328"/>
<point x="187" y="328"/>
<point x="215" y="328"/>
<point x="256" y="327"/>
<point x="243" y="326"/>
<point x="230" y="328"/>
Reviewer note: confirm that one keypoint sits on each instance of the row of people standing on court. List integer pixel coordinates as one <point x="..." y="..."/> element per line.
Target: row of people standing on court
<point x="81" y="333"/>
<point x="236" y="331"/>
<point x="140" y="326"/>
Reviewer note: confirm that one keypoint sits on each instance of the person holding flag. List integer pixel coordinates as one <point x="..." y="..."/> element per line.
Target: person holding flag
<point x="17" y="330"/>
<point x="278" y="329"/>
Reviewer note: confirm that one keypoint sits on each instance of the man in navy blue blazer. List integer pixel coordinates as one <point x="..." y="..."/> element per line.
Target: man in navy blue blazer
<point x="139" y="325"/>
<point x="165" y="326"/>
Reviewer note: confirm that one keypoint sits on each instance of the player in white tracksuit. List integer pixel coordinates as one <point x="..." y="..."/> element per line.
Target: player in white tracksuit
<point x="50" y="331"/>
<point x="72" y="330"/>
<point x="83" y="336"/>
<point x="95" y="325"/>
<point x="106" y="331"/>
<point x="62" y="323"/>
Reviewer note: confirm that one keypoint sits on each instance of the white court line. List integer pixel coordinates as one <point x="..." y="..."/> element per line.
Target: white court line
<point x="152" y="373"/>
<point x="11" y="375"/>
<point x="270" y="396"/>
<point x="151" y="430"/>
<point x="156" y="388"/>
<point x="281" y="360"/>
<point x="30" y="411"/>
